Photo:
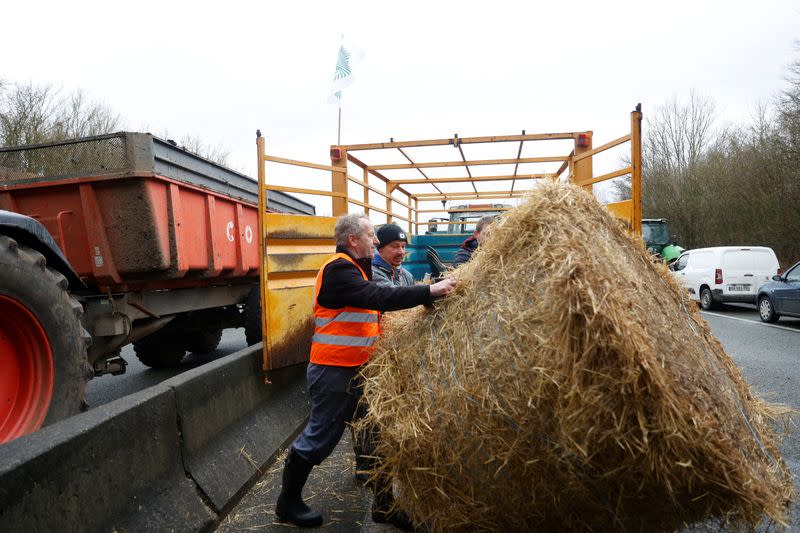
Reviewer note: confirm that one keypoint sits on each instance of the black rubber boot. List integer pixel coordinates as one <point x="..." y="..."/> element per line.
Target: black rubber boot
<point x="290" y="506"/>
<point x="384" y="510"/>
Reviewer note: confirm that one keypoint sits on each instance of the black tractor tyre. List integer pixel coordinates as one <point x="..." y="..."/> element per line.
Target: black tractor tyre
<point x="164" y="348"/>
<point x="26" y="282"/>
<point x="706" y="299"/>
<point x="252" y="317"/>
<point x="203" y="341"/>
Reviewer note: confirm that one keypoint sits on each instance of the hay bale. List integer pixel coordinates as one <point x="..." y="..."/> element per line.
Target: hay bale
<point x="566" y="384"/>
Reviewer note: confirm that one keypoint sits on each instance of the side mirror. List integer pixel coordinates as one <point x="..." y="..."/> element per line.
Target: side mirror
<point x="776" y="278"/>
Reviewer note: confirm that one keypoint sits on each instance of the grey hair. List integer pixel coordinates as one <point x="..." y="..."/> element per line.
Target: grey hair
<point x="485" y="221"/>
<point x="348" y="225"/>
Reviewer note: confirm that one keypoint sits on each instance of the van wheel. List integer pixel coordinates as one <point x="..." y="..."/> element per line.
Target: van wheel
<point x="42" y="344"/>
<point x="706" y="300"/>
<point x="766" y="311"/>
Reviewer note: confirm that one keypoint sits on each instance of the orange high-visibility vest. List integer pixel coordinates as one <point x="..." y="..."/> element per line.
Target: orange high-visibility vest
<point x="343" y="337"/>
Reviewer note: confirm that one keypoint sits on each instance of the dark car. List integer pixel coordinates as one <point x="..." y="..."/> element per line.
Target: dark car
<point x="781" y="296"/>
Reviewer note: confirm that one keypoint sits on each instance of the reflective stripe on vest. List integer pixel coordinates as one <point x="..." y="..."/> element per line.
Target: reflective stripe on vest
<point x="347" y="317"/>
<point x="343" y="337"/>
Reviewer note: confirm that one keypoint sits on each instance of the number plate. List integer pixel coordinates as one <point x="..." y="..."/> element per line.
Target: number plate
<point x="739" y="288"/>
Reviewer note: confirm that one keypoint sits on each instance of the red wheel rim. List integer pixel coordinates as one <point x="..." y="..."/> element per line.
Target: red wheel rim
<point x="26" y="370"/>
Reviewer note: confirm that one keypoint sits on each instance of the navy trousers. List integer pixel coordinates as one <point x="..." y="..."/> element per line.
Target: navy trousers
<point x="334" y="392"/>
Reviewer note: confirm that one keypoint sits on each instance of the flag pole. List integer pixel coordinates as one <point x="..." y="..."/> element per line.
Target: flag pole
<point x="339" y="134"/>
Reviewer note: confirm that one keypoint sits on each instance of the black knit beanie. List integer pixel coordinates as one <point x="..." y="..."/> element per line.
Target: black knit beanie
<point x="390" y="232"/>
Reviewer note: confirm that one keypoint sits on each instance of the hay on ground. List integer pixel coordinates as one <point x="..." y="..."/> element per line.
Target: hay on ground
<point x="566" y="384"/>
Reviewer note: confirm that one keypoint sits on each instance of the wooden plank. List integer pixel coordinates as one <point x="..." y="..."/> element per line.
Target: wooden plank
<point x="615" y="174"/>
<point x="473" y="197"/>
<point x="339" y="185"/>
<point x="378" y="209"/>
<point x="474" y="179"/>
<point x="465" y="140"/>
<point x="612" y="144"/>
<point x="367" y="187"/>
<point x="355" y="160"/>
<point x="636" y="169"/>
<point x="443" y="164"/>
<point x="425" y="196"/>
<point x="304" y="191"/>
<point x="565" y="165"/>
<point x="296" y="163"/>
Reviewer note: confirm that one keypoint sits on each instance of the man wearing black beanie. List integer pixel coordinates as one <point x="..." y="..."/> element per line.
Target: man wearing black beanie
<point x="386" y="264"/>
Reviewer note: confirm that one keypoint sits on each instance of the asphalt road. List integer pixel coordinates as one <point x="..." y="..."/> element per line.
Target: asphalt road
<point x="138" y="376"/>
<point x="768" y="354"/>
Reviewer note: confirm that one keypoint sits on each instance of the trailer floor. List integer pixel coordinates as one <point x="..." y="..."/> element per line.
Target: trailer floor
<point x="331" y="489"/>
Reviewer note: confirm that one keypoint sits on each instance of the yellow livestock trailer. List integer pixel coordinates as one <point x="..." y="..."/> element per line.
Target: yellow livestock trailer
<point x="294" y="247"/>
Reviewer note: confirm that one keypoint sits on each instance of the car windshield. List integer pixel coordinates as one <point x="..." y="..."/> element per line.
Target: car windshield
<point x="655" y="233"/>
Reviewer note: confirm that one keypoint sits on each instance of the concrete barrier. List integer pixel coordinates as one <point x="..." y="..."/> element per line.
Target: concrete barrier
<point x="169" y="458"/>
<point x="232" y="423"/>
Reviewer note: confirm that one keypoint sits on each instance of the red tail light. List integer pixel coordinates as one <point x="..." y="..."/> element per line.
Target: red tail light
<point x="718" y="276"/>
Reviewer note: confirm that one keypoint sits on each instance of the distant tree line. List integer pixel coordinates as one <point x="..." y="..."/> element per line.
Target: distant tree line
<point x="725" y="186"/>
<point x="39" y="113"/>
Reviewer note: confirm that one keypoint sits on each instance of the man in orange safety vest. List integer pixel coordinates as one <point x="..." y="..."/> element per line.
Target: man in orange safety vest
<point x="347" y="308"/>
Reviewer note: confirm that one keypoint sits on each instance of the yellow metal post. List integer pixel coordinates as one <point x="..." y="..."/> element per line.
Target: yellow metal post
<point x="263" y="272"/>
<point x="339" y="180"/>
<point x="636" y="169"/>
<point x="582" y="169"/>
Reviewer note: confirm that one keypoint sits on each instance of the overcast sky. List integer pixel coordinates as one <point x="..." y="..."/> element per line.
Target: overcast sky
<point x="221" y="70"/>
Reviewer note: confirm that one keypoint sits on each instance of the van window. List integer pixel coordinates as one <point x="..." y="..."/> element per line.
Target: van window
<point x="680" y="264"/>
<point x="737" y="260"/>
<point x="703" y="260"/>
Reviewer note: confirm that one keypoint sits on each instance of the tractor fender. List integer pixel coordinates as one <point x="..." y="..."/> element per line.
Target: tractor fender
<point x="32" y="233"/>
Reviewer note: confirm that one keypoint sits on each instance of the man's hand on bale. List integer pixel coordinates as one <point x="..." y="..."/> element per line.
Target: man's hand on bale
<point x="442" y="288"/>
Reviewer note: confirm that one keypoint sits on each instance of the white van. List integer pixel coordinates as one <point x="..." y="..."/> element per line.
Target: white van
<point x="725" y="273"/>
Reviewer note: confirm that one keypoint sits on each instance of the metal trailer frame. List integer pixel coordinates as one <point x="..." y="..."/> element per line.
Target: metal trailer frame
<point x="74" y="186"/>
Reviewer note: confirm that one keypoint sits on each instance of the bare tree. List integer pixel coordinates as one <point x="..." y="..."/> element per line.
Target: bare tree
<point x="31" y="114"/>
<point x="216" y="153"/>
<point x="788" y="108"/>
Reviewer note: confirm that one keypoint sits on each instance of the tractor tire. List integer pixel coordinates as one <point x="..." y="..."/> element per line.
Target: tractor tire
<point x="165" y="348"/>
<point x="42" y="343"/>
<point x="205" y="341"/>
<point x="252" y="317"/>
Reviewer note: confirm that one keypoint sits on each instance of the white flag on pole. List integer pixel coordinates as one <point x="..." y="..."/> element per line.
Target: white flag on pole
<point x="343" y="75"/>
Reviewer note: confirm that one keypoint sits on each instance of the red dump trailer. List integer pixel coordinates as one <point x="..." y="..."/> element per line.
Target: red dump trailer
<point x="110" y="240"/>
